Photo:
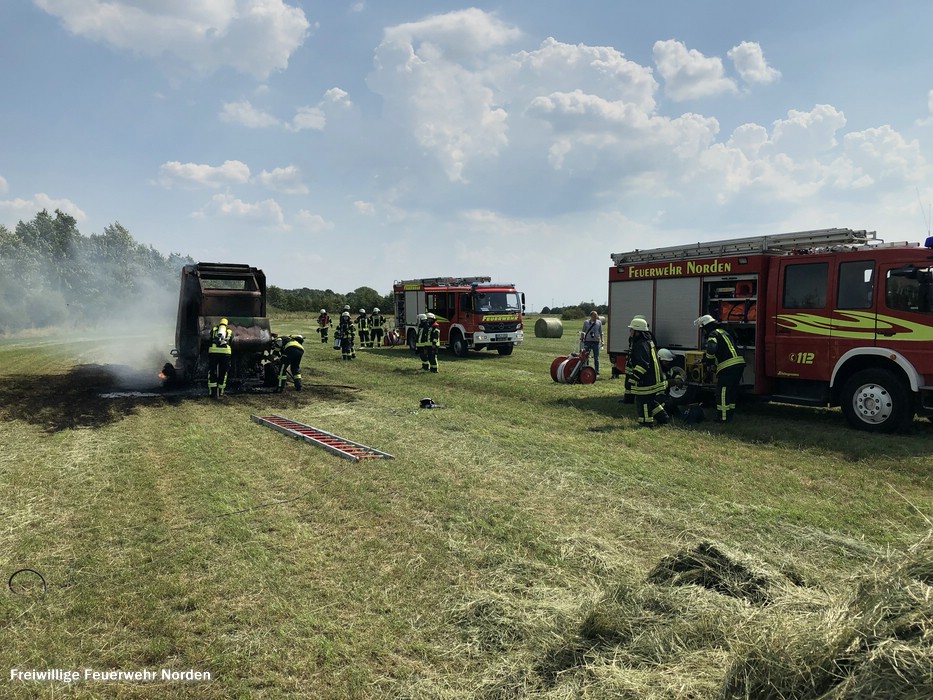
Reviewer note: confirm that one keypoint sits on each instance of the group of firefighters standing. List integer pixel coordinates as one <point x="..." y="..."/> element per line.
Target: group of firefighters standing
<point x="369" y="327"/>
<point x="649" y="372"/>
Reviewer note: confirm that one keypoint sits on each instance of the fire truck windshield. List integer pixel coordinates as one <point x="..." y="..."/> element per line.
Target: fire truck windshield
<point x="497" y="301"/>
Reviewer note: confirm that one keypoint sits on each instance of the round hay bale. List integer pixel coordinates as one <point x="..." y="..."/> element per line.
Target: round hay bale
<point x="549" y="328"/>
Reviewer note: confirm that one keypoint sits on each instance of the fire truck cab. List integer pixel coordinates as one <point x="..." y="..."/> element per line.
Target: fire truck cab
<point x="473" y="313"/>
<point x="833" y="317"/>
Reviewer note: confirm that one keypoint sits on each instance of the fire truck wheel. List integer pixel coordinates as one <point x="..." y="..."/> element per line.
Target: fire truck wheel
<point x="505" y="350"/>
<point x="877" y="401"/>
<point x="458" y="344"/>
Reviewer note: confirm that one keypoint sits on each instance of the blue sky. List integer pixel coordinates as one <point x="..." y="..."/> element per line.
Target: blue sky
<point x="346" y="144"/>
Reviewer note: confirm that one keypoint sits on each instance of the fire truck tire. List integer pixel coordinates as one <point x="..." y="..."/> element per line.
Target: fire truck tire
<point x="412" y="340"/>
<point x="458" y="344"/>
<point x="877" y="401"/>
<point x="504" y="349"/>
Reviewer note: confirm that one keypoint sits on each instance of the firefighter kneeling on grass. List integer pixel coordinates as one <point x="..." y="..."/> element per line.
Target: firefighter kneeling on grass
<point x="647" y="378"/>
<point x="721" y="352"/>
<point x="219" y="355"/>
<point x="292" y="353"/>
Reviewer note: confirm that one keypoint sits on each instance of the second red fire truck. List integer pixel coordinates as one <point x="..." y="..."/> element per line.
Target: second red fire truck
<point x="473" y="313"/>
<point x="832" y="317"/>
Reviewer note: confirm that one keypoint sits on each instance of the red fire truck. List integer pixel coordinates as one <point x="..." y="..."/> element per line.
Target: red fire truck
<point x="471" y="311"/>
<point x="832" y="317"/>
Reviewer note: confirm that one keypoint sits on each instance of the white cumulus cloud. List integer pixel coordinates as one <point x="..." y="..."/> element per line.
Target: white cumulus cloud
<point x="245" y="114"/>
<point x="20" y="208"/>
<point x="254" y="37"/>
<point x="199" y="175"/>
<point x="313" y="223"/>
<point x="431" y="75"/>
<point x="688" y="74"/>
<point x="287" y="180"/>
<point x="266" y="213"/>
<point x="749" y="61"/>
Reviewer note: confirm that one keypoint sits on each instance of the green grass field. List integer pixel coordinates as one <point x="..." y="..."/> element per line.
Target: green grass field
<point x="527" y="541"/>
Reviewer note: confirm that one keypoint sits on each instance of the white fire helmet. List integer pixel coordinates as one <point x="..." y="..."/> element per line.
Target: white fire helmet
<point x="431" y="317"/>
<point x="422" y="317"/>
<point x="638" y="324"/>
<point x="345" y="314"/>
<point x="376" y="310"/>
<point x="362" y="311"/>
<point x="323" y="311"/>
<point x="704" y="321"/>
<point x="665" y="355"/>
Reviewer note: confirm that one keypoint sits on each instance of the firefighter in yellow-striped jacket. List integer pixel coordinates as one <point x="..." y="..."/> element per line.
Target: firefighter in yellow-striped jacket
<point x="648" y="382"/>
<point x="219" y="356"/>
<point x="377" y="324"/>
<point x="362" y="329"/>
<point x="292" y="353"/>
<point x="721" y="351"/>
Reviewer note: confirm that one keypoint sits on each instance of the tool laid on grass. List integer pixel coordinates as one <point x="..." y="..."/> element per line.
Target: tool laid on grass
<point x="330" y="442"/>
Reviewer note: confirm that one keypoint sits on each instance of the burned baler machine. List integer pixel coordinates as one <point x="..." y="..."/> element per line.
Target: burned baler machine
<point x="209" y="293"/>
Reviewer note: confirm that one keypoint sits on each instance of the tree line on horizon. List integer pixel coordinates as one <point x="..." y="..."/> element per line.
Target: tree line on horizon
<point x="53" y="275"/>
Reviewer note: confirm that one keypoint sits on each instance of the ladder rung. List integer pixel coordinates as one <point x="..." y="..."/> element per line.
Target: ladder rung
<point x="333" y="443"/>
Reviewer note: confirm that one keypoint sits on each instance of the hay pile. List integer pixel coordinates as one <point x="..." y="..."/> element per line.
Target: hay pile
<point x="876" y="641"/>
<point x="712" y="623"/>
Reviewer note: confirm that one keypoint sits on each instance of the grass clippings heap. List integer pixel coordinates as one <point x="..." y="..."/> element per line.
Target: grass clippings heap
<point x="874" y="642"/>
<point x="740" y="631"/>
<point x="711" y="566"/>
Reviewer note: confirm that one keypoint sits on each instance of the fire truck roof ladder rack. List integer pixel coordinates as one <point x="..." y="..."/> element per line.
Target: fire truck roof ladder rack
<point x="447" y="281"/>
<point x="779" y="243"/>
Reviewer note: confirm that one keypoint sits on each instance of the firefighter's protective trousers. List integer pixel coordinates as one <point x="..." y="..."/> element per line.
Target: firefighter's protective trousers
<point x="648" y="383"/>
<point x="323" y="322"/>
<point x="347" y="339"/>
<point x="362" y="326"/>
<point x="730" y="365"/>
<point x="291" y="361"/>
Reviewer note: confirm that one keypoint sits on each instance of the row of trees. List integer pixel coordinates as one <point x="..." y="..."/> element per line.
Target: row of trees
<point x="52" y="275"/>
<point x="572" y="313"/>
<point x="311" y="301"/>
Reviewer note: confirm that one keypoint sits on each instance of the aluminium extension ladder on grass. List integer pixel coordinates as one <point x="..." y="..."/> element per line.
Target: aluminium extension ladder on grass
<point x="330" y="442"/>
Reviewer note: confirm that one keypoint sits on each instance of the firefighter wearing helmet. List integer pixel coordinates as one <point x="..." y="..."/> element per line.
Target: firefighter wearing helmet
<point x="628" y="384"/>
<point x="362" y="327"/>
<point x="430" y="340"/>
<point x="377" y="324"/>
<point x="347" y="334"/>
<point x="648" y="382"/>
<point x="421" y="341"/>
<point x="323" y="325"/>
<point x="722" y="353"/>
<point x="219" y="355"/>
<point x="292" y="353"/>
